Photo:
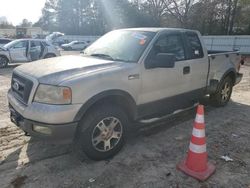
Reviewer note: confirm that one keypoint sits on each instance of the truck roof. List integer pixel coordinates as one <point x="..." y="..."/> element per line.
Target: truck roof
<point x="158" y="29"/>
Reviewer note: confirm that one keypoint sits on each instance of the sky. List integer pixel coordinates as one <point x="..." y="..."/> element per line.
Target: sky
<point x="16" y="10"/>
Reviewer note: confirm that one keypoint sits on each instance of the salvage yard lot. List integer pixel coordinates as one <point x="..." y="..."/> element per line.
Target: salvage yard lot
<point x="149" y="158"/>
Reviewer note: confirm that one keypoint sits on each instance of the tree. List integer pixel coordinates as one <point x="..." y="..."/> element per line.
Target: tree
<point x="26" y="23"/>
<point x="95" y="17"/>
<point x="48" y="20"/>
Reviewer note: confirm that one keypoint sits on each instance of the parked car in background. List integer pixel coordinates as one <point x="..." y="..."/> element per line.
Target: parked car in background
<point x="75" y="45"/>
<point x="26" y="50"/>
<point x="4" y="41"/>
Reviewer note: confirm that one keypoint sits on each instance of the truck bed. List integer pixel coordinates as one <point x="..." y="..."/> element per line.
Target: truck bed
<point x="215" y="52"/>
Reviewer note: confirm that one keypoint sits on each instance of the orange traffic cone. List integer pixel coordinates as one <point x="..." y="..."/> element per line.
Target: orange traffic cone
<point x="196" y="164"/>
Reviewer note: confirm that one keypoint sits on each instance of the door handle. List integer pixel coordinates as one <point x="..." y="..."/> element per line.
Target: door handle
<point x="186" y="70"/>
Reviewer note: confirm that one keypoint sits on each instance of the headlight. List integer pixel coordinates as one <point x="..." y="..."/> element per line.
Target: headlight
<point x="53" y="94"/>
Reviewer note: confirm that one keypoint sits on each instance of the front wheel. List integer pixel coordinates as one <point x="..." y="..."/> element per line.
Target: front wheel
<point x="102" y="132"/>
<point x="3" y="62"/>
<point x="223" y="95"/>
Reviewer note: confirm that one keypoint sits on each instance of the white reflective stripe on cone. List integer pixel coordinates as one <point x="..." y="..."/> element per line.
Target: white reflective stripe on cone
<point x="199" y="118"/>
<point x="197" y="148"/>
<point x="199" y="133"/>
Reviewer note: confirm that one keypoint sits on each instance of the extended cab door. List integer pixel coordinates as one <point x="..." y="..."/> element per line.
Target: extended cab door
<point x="19" y="51"/>
<point x="198" y="61"/>
<point x="165" y="90"/>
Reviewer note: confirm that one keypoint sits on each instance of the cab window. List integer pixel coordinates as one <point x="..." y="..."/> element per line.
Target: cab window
<point x="195" y="46"/>
<point x="171" y="44"/>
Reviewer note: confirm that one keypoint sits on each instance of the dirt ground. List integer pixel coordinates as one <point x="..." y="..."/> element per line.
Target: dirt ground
<point x="148" y="159"/>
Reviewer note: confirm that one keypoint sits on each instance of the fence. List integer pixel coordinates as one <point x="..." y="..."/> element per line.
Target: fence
<point x="228" y="43"/>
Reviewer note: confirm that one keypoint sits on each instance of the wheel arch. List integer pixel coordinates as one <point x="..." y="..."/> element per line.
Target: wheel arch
<point x="229" y="73"/>
<point x="5" y="56"/>
<point x="215" y="83"/>
<point x="118" y="97"/>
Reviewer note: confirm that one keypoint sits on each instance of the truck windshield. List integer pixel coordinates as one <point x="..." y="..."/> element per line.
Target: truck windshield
<point x="120" y="45"/>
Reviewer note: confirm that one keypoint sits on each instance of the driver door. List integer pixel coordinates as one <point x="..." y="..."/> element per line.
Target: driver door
<point x="18" y="52"/>
<point x="165" y="90"/>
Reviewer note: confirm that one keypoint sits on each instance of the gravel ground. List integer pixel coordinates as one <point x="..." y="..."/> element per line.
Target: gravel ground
<point x="148" y="159"/>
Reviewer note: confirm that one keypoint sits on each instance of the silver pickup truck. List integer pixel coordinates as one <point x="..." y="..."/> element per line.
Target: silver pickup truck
<point x="26" y="50"/>
<point x="128" y="75"/>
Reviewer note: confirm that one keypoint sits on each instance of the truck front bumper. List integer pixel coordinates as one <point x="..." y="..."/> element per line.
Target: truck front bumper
<point x="49" y="122"/>
<point x="45" y="131"/>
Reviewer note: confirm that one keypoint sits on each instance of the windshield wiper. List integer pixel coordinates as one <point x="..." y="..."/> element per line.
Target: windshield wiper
<point x="127" y="61"/>
<point x="106" y="56"/>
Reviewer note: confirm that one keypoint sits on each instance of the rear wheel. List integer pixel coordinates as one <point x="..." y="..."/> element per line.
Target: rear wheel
<point x="223" y="95"/>
<point x="3" y="62"/>
<point x="102" y="132"/>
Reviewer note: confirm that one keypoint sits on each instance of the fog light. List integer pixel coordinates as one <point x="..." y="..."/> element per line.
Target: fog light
<point x="43" y="130"/>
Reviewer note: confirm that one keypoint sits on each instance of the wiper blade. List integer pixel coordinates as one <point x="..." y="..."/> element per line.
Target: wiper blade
<point x="106" y="56"/>
<point x="123" y="60"/>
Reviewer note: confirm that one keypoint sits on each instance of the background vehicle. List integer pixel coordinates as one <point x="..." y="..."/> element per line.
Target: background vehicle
<point x="75" y="45"/>
<point x="4" y="41"/>
<point x="26" y="50"/>
<point x="126" y="76"/>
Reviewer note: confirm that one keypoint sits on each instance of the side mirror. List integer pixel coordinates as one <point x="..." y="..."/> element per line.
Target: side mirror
<point x="161" y="60"/>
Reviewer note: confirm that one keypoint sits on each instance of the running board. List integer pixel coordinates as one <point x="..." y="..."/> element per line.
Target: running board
<point x="156" y="119"/>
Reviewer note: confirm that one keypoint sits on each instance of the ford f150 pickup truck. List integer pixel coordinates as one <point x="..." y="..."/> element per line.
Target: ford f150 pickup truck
<point x="126" y="76"/>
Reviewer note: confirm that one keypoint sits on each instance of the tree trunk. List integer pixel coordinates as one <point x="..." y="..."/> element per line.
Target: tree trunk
<point x="231" y="24"/>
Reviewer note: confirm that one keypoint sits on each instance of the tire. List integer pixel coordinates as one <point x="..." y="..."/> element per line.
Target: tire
<point x="97" y="138"/>
<point x="49" y="56"/>
<point x="223" y="94"/>
<point x="3" y="62"/>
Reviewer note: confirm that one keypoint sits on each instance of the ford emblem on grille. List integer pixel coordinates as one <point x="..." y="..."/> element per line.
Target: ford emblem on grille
<point x="16" y="86"/>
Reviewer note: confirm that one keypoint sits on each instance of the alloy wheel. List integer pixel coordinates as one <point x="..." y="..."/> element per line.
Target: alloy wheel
<point x="107" y="134"/>
<point x="225" y="92"/>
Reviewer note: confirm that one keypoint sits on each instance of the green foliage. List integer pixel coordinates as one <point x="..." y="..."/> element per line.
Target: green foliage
<point x="6" y="25"/>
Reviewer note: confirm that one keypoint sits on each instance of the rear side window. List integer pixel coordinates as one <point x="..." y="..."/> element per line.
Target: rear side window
<point x="196" y="50"/>
<point x="35" y="44"/>
<point x="45" y="43"/>
<point x="171" y="44"/>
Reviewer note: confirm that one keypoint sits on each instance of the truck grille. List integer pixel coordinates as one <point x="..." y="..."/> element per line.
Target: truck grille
<point x="21" y="87"/>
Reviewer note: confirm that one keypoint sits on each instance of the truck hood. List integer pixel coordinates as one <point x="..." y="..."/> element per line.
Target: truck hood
<point x="56" y="70"/>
